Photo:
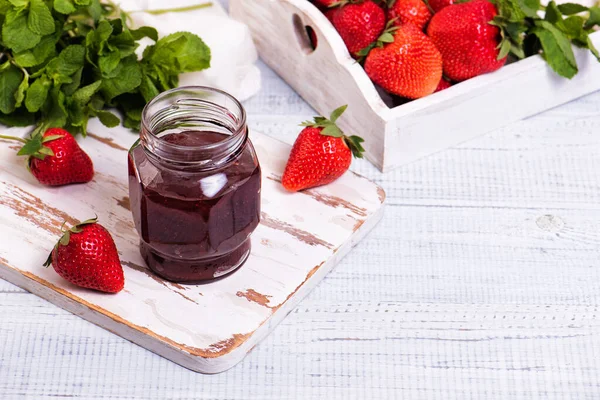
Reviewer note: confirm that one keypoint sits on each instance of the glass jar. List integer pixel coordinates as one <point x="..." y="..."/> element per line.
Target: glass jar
<point x="194" y="185"/>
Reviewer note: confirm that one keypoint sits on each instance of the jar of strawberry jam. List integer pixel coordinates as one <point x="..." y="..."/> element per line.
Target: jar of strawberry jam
<point x="194" y="185"/>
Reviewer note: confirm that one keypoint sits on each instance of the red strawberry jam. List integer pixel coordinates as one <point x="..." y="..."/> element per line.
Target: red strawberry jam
<point x="195" y="199"/>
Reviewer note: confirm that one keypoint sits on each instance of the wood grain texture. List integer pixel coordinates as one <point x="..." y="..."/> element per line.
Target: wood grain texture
<point x="457" y="294"/>
<point x="328" y="77"/>
<point x="300" y="238"/>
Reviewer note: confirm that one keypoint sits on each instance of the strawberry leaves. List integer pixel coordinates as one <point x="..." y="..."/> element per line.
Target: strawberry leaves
<point x="66" y="237"/>
<point x="329" y="128"/>
<point x="34" y="146"/>
<point x="354" y="143"/>
<point x="337" y="113"/>
<point x="386" y="37"/>
<point x="525" y="33"/>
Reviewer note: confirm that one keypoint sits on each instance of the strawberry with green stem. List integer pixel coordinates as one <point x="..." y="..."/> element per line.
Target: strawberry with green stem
<point x="387" y="36"/>
<point x="55" y="158"/>
<point x="403" y="61"/>
<point x="477" y="36"/>
<point x="86" y="256"/>
<point x="358" y="23"/>
<point x="321" y="154"/>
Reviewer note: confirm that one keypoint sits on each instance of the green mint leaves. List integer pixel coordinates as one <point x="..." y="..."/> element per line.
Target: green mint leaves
<point x="10" y="79"/>
<point x="329" y="128"/>
<point x="40" y="20"/>
<point x="65" y="61"/>
<point x="525" y="32"/>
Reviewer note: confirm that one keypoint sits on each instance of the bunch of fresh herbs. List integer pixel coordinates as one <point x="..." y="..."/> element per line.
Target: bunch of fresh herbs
<point x="63" y="62"/>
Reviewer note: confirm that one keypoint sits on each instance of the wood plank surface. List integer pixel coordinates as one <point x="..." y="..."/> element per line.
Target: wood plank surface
<point x="458" y="293"/>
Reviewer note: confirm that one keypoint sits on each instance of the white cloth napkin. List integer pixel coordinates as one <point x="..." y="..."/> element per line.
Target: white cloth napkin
<point x="233" y="53"/>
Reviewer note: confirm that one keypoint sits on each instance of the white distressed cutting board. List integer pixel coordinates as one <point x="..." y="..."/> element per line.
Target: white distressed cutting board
<point x="207" y="328"/>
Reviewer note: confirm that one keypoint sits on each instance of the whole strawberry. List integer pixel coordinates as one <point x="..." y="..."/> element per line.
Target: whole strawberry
<point x="359" y="24"/>
<point x="86" y="256"/>
<point x="469" y="44"/>
<point x="409" y="11"/>
<point x="405" y="63"/>
<point x="321" y="154"/>
<point x="476" y="37"/>
<point x="55" y="158"/>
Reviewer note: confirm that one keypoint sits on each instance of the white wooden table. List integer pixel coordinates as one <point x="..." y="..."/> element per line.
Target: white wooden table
<point x="481" y="282"/>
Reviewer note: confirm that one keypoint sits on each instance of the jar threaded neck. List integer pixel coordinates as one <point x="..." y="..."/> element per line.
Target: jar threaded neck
<point x="198" y="109"/>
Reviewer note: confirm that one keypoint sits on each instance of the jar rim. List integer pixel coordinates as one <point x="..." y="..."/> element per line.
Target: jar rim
<point x="241" y="123"/>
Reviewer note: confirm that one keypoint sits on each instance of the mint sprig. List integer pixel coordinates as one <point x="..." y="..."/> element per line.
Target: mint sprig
<point x="525" y="32"/>
<point x="63" y="62"/>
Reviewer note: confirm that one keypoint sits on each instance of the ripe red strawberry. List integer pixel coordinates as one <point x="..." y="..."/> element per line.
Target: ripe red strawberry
<point x="444" y="84"/>
<point x="437" y="5"/>
<point x="86" y="256"/>
<point x="409" y="65"/>
<point x="321" y="154"/>
<point x="359" y="24"/>
<point x="475" y="37"/>
<point x="469" y="44"/>
<point x="55" y="158"/>
<point x="409" y="11"/>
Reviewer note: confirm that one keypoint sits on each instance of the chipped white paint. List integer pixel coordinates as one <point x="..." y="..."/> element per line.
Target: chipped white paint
<point x="207" y="328"/>
<point x="329" y="77"/>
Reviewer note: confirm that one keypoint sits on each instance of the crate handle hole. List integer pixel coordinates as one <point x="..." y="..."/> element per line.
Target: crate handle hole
<point x="306" y="36"/>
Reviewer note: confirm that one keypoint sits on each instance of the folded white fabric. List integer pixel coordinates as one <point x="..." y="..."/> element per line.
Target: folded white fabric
<point x="233" y="53"/>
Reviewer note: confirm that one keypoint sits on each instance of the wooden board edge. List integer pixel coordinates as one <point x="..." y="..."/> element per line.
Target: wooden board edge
<point x="313" y="278"/>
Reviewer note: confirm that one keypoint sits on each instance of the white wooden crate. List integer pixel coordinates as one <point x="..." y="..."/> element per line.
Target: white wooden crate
<point x="328" y="77"/>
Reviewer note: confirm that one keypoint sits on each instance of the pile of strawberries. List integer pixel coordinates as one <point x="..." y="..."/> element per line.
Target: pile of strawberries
<point x="86" y="254"/>
<point x="412" y="48"/>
